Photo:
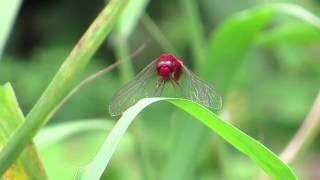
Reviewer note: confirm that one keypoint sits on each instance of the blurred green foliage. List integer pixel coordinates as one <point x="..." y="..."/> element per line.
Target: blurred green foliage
<point x="269" y="97"/>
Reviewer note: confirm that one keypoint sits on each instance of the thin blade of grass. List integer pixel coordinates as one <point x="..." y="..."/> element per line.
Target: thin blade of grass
<point x="95" y="169"/>
<point x="9" y="10"/>
<point x="157" y="35"/>
<point x="261" y="155"/>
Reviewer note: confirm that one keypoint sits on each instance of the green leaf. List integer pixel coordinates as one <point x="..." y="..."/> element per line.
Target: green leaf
<point x="62" y="82"/>
<point x="296" y="32"/>
<point x="262" y="156"/>
<point x="230" y="43"/>
<point x="28" y="165"/>
<point x="228" y="46"/>
<point x="9" y="10"/>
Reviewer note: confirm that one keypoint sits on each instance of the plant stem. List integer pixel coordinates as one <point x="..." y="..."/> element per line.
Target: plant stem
<point x="122" y="51"/>
<point x="158" y="35"/>
<point x="196" y="32"/>
<point x="306" y="133"/>
<point x="61" y="83"/>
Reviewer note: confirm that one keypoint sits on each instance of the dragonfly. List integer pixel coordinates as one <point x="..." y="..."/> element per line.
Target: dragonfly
<point x="150" y="82"/>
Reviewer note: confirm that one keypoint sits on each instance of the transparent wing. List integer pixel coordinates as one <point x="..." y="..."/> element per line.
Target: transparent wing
<point x="199" y="91"/>
<point x="143" y="85"/>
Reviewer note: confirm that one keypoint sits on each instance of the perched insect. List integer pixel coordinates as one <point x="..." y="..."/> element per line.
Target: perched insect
<point x="152" y="79"/>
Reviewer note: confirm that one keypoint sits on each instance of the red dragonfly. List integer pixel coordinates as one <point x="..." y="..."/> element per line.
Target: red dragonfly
<point x="151" y="80"/>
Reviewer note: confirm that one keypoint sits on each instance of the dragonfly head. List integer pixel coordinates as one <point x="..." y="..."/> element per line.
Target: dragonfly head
<point x="168" y="66"/>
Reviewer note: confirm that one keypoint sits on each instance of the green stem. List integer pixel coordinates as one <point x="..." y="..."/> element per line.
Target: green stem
<point x="122" y="52"/>
<point x="158" y="35"/>
<point x="61" y="84"/>
<point x="305" y="135"/>
<point x="196" y="32"/>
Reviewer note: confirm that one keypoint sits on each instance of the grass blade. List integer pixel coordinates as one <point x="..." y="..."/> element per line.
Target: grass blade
<point x="96" y="168"/>
<point x="157" y="35"/>
<point x="28" y="166"/>
<point x="262" y="156"/>
<point x="227" y="48"/>
<point x="9" y="10"/>
<point x="61" y="84"/>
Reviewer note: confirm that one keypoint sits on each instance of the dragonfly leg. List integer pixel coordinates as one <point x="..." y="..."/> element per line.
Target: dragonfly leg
<point x="176" y="84"/>
<point x="159" y="88"/>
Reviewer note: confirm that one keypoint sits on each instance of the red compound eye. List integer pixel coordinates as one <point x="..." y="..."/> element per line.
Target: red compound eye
<point x="164" y="71"/>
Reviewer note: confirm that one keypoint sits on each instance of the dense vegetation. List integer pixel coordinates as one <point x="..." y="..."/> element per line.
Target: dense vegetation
<point x="261" y="57"/>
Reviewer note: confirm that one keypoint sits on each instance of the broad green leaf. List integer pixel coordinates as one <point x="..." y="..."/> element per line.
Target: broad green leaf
<point x="228" y="46"/>
<point x="62" y="82"/>
<point x="28" y="165"/>
<point x="230" y="43"/>
<point x="262" y="156"/>
<point x="296" y="32"/>
<point x="9" y="10"/>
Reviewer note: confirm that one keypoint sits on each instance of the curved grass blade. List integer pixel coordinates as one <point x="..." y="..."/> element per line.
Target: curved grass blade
<point x="227" y="48"/>
<point x="261" y="155"/>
